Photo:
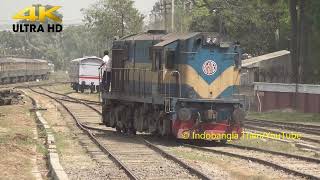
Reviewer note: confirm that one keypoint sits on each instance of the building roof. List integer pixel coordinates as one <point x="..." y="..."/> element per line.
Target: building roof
<point x="85" y="58"/>
<point x="21" y="60"/>
<point x="254" y="62"/>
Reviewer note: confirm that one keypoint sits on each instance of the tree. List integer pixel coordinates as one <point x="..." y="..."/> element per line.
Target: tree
<point x="109" y="18"/>
<point x="255" y="24"/>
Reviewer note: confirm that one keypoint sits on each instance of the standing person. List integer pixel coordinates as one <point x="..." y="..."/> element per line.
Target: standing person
<point x="106" y="66"/>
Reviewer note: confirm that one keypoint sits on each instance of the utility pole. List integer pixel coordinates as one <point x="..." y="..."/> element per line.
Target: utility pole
<point x="163" y="8"/>
<point x="294" y="47"/>
<point x="172" y="15"/>
<point x="122" y="25"/>
<point x="165" y="14"/>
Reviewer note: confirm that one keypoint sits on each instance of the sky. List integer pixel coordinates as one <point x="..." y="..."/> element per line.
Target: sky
<point x="70" y="8"/>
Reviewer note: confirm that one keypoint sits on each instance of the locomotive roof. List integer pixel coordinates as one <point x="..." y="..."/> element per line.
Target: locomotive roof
<point x="165" y="38"/>
<point x="21" y="60"/>
<point x="143" y="36"/>
<point x="86" y="58"/>
<point x="171" y="37"/>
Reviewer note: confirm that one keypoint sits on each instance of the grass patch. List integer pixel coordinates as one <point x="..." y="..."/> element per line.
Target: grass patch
<point x="59" y="76"/>
<point x="61" y="88"/>
<point x="285" y="116"/>
<point x="16" y="142"/>
<point x="273" y="146"/>
<point x="42" y="149"/>
<point x="61" y="141"/>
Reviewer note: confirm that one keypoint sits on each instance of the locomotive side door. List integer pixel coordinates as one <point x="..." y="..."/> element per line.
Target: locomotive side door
<point x="117" y="73"/>
<point x="157" y="55"/>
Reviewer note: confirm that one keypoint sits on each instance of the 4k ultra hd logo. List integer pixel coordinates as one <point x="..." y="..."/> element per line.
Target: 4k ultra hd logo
<point x="38" y="18"/>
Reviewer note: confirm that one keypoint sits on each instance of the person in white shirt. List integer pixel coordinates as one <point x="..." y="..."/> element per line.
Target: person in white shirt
<point x="106" y="67"/>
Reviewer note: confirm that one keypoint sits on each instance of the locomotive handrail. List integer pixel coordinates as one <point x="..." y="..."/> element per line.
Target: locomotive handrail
<point x="131" y="69"/>
<point x="176" y="71"/>
<point x="165" y="92"/>
<point x="124" y="74"/>
<point x="188" y="52"/>
<point x="124" y="77"/>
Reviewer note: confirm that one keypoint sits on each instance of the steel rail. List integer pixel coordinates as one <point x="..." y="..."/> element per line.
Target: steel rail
<point x="77" y="99"/>
<point x="111" y="154"/>
<point x="304" y="158"/>
<point x="164" y="154"/>
<point x="20" y="85"/>
<point x="72" y="99"/>
<point x="93" y="138"/>
<point x="287" y="123"/>
<point x="190" y="169"/>
<point x="278" y="132"/>
<point x="284" y="126"/>
<point x="260" y="161"/>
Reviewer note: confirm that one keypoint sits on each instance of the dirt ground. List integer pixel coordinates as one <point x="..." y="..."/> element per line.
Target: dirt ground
<point x="18" y="148"/>
<point x="73" y="156"/>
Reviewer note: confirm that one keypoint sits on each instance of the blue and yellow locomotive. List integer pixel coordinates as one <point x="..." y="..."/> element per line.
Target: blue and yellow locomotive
<point x="174" y="84"/>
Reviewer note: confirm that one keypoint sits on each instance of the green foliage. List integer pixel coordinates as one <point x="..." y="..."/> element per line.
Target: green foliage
<point x="108" y="18"/>
<point x="253" y="23"/>
<point x="103" y="22"/>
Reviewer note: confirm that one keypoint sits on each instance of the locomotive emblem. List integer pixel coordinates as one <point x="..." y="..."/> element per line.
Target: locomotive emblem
<point x="209" y="67"/>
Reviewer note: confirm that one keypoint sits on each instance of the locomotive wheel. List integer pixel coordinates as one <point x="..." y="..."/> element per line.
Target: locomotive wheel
<point x="138" y="118"/>
<point x="124" y="129"/>
<point x="76" y="87"/>
<point x="133" y="131"/>
<point x="106" y="115"/>
<point x="164" y="127"/>
<point x="164" y="124"/>
<point x="92" y="89"/>
<point x="81" y="89"/>
<point x="118" y="129"/>
<point x="152" y="121"/>
<point x="112" y="119"/>
<point x="119" y="115"/>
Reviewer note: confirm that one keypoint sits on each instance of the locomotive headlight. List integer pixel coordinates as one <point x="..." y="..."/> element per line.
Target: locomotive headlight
<point x="184" y="114"/>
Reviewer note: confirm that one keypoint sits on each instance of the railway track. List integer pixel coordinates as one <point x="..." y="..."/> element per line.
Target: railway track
<point x="304" y="137"/>
<point x="31" y="84"/>
<point x="72" y="98"/>
<point x="139" y="158"/>
<point x="129" y="157"/>
<point x="304" y="167"/>
<point x="298" y="127"/>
